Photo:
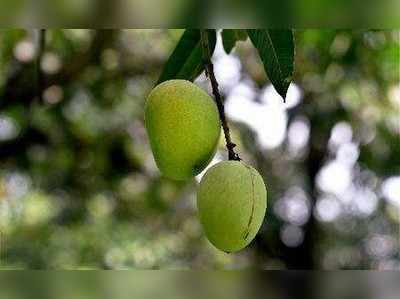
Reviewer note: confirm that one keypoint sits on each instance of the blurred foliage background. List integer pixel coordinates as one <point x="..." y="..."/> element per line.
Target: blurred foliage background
<point x="79" y="187"/>
<point x="191" y="13"/>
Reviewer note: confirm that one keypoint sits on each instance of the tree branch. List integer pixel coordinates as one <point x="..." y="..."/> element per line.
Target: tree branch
<point x="209" y="68"/>
<point x="21" y="85"/>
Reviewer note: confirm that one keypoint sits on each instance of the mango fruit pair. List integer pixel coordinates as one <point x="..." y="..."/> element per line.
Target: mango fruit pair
<point x="183" y="126"/>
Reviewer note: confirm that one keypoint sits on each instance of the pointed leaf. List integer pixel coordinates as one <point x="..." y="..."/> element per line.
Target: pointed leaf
<point x="231" y="36"/>
<point x="276" y="49"/>
<point x="185" y="61"/>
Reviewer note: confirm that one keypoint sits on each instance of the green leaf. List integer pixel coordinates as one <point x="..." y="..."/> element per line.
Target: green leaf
<point x="186" y="61"/>
<point x="231" y="36"/>
<point x="276" y="49"/>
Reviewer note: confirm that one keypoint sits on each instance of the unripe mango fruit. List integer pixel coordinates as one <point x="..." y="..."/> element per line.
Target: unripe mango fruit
<point x="183" y="126"/>
<point x="231" y="201"/>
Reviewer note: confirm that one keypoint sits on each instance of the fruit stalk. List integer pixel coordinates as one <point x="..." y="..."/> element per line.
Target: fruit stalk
<point x="209" y="68"/>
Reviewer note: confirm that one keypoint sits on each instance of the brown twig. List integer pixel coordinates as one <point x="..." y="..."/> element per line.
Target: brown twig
<point x="209" y="68"/>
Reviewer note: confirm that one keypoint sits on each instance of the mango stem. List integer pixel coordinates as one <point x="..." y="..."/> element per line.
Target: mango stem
<point x="209" y="68"/>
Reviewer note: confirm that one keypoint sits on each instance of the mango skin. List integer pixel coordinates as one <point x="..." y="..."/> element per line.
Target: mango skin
<point x="183" y="126"/>
<point x="231" y="201"/>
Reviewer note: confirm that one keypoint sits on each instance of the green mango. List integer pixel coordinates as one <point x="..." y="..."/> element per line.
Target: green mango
<point x="183" y="126"/>
<point x="231" y="201"/>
